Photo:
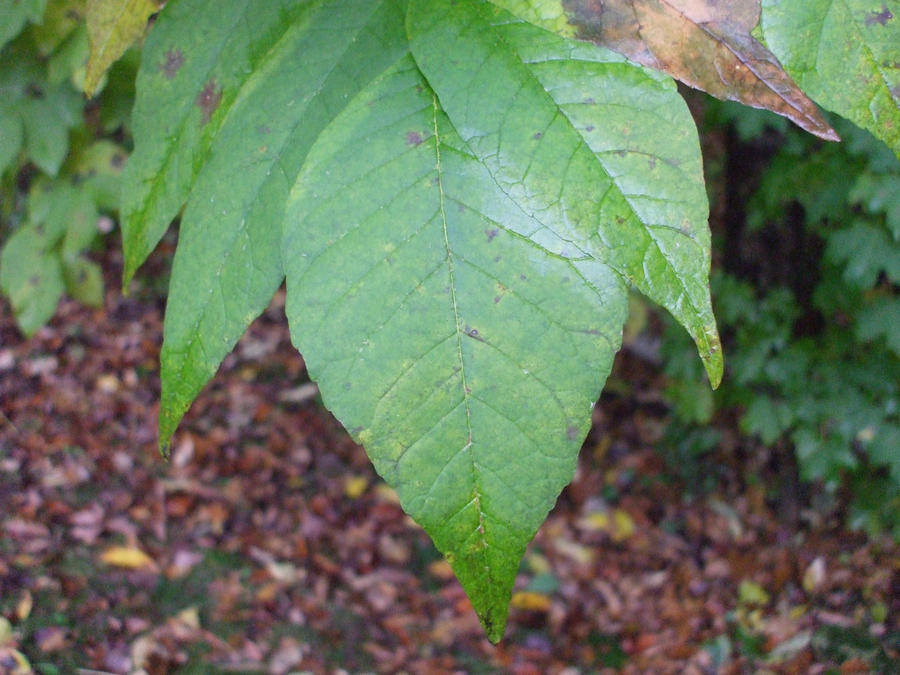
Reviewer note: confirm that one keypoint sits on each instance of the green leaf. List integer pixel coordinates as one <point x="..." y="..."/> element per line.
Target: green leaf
<point x="844" y="54"/>
<point x="113" y="26"/>
<point x="264" y="88"/>
<point x="459" y="323"/>
<point x="47" y="117"/>
<point x="31" y="278"/>
<point x="634" y="198"/>
<point x="84" y="280"/>
<point x="15" y="14"/>
<point x="11" y="137"/>
<point x="880" y="318"/>
<point x="463" y="353"/>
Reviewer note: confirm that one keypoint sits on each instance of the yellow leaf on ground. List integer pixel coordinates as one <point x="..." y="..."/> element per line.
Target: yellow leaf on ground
<point x="355" y="486"/>
<point x="113" y="26"/>
<point x="535" y="602"/>
<point x="127" y="557"/>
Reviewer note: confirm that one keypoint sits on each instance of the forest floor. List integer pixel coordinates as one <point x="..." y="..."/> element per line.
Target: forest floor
<point x="267" y="544"/>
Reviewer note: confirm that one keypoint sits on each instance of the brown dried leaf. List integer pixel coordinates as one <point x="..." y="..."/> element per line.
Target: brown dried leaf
<point x="704" y="43"/>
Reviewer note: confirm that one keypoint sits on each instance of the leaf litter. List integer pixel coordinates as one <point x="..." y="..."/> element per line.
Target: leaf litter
<point x="274" y="548"/>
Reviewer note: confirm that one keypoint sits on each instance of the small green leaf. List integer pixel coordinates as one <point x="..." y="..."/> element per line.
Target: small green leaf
<point x="881" y="318"/>
<point x="15" y="14"/>
<point x="12" y="135"/>
<point x="47" y="118"/>
<point x="31" y="278"/>
<point x="113" y="26"/>
<point x="845" y="54"/>
<point x="84" y="280"/>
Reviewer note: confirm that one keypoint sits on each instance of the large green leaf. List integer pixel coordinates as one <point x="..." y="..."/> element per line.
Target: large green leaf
<point x="460" y="308"/>
<point x="845" y="54"/>
<point x="464" y="354"/>
<point x="241" y="123"/>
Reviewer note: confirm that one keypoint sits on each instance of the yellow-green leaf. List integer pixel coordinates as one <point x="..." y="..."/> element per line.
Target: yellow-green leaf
<point x="113" y="26"/>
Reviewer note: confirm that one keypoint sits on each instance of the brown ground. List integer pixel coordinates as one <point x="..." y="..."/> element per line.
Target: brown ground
<point x="274" y="548"/>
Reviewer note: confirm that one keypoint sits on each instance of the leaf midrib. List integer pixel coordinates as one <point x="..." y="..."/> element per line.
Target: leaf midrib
<point x="476" y="490"/>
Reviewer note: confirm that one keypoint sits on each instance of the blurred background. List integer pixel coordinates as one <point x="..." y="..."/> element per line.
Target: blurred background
<point x="750" y="529"/>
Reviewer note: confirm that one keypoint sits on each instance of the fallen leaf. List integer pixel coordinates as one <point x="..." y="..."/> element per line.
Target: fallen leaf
<point x="534" y="602"/>
<point x="355" y="486"/>
<point x="23" y="608"/>
<point x="814" y="576"/>
<point x="127" y="557"/>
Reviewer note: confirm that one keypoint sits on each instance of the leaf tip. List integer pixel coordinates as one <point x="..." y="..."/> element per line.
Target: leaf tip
<point x="493" y="620"/>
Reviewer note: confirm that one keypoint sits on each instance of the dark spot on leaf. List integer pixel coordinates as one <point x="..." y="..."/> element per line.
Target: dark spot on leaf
<point x="497" y="299"/>
<point x="435" y="180"/>
<point x="572" y="433"/>
<point x="117" y="161"/>
<point x="652" y="163"/>
<point x="589" y="100"/>
<point x="589" y="127"/>
<point x="347" y="386"/>
<point x="473" y="333"/>
<point x="621" y="153"/>
<point x="263" y="129"/>
<point x="209" y="99"/>
<point x="620" y="220"/>
<point x="413" y="138"/>
<point x="491" y="234"/>
<point x="497" y="259"/>
<point x="35" y="280"/>
<point x="538" y="136"/>
<point x="523" y="277"/>
<point x="461" y="208"/>
<point x="34" y="91"/>
<point x="172" y="64"/>
<point x="880" y="18"/>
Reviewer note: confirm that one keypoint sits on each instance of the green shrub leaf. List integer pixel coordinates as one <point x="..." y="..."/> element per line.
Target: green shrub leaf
<point x="845" y="55"/>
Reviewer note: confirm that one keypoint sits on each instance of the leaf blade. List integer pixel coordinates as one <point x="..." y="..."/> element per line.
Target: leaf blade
<point x="227" y="265"/>
<point x="454" y="288"/>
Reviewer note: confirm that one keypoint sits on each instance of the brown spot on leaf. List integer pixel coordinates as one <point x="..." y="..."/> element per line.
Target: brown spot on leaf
<point x="881" y="18"/>
<point x="414" y="138"/>
<point x="491" y="234"/>
<point x="209" y="99"/>
<point x="172" y="64"/>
